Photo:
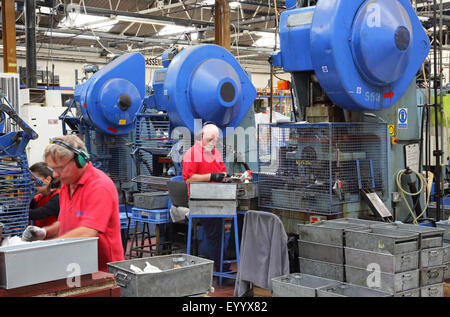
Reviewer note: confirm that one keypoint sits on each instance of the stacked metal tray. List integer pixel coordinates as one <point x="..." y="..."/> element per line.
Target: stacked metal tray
<point x="321" y="248"/>
<point x="298" y="285"/>
<point x="445" y="224"/>
<point x="432" y="265"/>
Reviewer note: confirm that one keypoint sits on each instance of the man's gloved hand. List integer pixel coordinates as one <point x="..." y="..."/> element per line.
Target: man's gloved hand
<point x="33" y="233"/>
<point x="217" y="177"/>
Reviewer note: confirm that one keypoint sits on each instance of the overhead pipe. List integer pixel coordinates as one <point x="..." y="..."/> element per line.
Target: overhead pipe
<point x="30" y="34"/>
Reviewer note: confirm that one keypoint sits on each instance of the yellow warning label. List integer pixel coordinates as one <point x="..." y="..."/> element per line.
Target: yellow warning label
<point x="391" y="129"/>
<point x="122" y="122"/>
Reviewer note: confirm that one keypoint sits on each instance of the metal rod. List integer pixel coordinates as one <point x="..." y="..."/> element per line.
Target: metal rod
<point x="436" y="153"/>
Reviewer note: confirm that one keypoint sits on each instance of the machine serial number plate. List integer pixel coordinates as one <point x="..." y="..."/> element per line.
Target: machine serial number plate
<point x="298" y="19"/>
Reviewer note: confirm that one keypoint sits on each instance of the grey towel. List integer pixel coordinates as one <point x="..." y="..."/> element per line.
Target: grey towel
<point x="263" y="253"/>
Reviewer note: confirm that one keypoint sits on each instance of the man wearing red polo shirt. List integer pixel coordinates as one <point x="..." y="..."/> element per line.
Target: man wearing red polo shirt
<point x="203" y="163"/>
<point x="89" y="204"/>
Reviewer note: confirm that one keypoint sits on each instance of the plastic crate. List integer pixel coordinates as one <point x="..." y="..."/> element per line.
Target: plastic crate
<point x="150" y="215"/>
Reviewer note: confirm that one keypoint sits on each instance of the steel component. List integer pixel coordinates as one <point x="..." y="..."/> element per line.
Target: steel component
<point x="213" y="207"/>
<point x="53" y="260"/>
<point x="364" y="53"/>
<point x="214" y="191"/>
<point x="392" y="283"/>
<point x="387" y="263"/>
<point x="347" y="290"/>
<point x="298" y="285"/>
<point x="445" y="224"/>
<point x="182" y="275"/>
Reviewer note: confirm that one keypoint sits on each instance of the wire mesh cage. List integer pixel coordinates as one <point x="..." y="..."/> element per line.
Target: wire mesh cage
<point x="16" y="192"/>
<point x="111" y="154"/>
<point x="318" y="168"/>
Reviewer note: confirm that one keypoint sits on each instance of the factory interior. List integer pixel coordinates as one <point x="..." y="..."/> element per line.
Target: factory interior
<point x="199" y="149"/>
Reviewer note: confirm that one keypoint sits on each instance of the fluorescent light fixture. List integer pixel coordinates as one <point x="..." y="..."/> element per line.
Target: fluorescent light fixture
<point x="235" y="4"/>
<point x="266" y="40"/>
<point x="175" y="29"/>
<point x="88" y="21"/>
<point x="208" y="2"/>
<point x="72" y="35"/>
<point x="143" y="20"/>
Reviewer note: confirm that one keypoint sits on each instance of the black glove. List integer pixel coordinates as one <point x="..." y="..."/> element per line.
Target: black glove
<point x="217" y="177"/>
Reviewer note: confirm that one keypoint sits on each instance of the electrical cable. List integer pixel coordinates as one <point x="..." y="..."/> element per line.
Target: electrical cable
<point x="404" y="192"/>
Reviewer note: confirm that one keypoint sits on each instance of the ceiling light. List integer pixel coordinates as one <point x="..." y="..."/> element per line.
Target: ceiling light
<point x="143" y="20"/>
<point x="175" y="29"/>
<point x="88" y="21"/>
<point x="72" y="35"/>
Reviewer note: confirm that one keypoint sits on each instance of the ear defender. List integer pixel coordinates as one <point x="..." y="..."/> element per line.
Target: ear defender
<point x="81" y="158"/>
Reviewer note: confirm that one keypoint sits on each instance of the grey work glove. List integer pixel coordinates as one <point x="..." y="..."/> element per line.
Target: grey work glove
<point x="33" y="233"/>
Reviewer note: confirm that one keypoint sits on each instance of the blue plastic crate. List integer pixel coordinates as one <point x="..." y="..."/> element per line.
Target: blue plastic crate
<point x="150" y="215"/>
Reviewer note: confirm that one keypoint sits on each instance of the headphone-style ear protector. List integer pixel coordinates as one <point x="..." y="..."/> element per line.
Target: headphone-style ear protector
<point x="208" y="122"/>
<point x="81" y="158"/>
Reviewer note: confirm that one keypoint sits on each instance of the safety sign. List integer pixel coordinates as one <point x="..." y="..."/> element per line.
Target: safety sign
<point x="402" y="118"/>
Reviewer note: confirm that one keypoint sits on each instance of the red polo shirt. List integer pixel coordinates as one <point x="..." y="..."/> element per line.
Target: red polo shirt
<point x="197" y="161"/>
<point x="94" y="204"/>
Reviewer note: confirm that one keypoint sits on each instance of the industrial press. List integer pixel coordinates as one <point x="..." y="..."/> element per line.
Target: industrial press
<point x="353" y="66"/>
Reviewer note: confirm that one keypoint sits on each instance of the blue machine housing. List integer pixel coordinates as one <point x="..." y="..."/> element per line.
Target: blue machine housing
<point x="110" y="99"/>
<point x="203" y="82"/>
<point x="365" y="53"/>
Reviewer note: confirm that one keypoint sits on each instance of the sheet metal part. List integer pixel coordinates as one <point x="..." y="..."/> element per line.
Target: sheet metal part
<point x="326" y="232"/>
<point x="151" y="200"/>
<point x="410" y="293"/>
<point x="298" y="285"/>
<point x="321" y="252"/>
<point x="431" y="257"/>
<point x="445" y="224"/>
<point x="182" y="275"/>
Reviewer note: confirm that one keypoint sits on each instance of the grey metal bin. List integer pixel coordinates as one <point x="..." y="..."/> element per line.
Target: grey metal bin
<point x="181" y="275"/>
<point x="298" y="285"/>
<point x="43" y="261"/>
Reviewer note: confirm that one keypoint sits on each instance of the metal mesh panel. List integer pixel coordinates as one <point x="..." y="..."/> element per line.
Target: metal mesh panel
<point x="152" y="133"/>
<point x="317" y="168"/>
<point x="112" y="154"/>
<point x="16" y="192"/>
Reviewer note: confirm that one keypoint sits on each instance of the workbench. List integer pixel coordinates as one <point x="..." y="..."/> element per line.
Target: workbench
<point x="99" y="284"/>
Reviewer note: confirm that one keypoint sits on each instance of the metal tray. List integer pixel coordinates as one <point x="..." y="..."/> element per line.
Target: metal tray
<point x="446" y="252"/>
<point x="436" y="290"/>
<point x="44" y="261"/>
<point x="182" y="275"/>
<point x="431" y="257"/>
<point x="321" y="252"/>
<point x="247" y="190"/>
<point x="432" y="275"/>
<point x="410" y="293"/>
<point x="444" y="224"/>
<point x="322" y="269"/>
<point x="213" y="207"/>
<point x="357" y="221"/>
<point x="298" y="285"/>
<point x="214" y="191"/>
<point x="388" y="263"/>
<point x="380" y="239"/>
<point x="151" y="200"/>
<point x="428" y="237"/>
<point x="391" y="283"/>
<point x="348" y="290"/>
<point x="326" y="232"/>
